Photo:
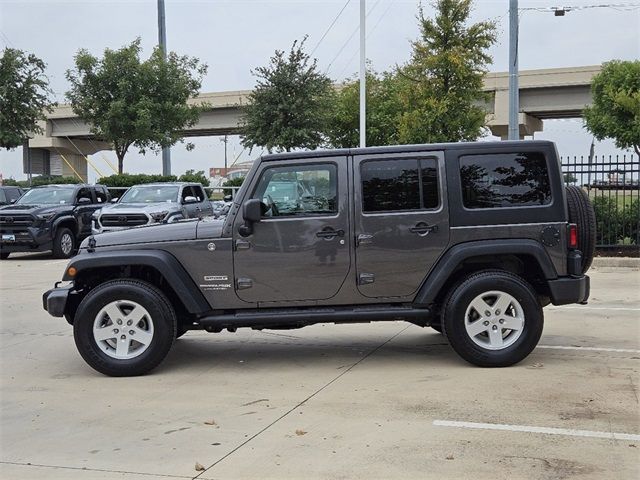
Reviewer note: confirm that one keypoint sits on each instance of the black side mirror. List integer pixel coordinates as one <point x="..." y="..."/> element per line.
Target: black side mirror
<point x="84" y="201"/>
<point x="251" y="213"/>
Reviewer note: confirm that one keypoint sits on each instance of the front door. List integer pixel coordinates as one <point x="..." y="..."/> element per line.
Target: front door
<point x="299" y="250"/>
<point x="401" y="221"/>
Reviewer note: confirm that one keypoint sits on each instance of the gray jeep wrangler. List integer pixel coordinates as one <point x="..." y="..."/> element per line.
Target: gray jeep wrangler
<point x="472" y="239"/>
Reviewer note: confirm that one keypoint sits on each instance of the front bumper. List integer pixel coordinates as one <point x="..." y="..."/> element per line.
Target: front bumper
<point x="567" y="290"/>
<point x="27" y="239"/>
<point x="55" y="300"/>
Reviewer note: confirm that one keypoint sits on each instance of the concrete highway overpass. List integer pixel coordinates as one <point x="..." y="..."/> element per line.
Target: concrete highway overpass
<point x="544" y="94"/>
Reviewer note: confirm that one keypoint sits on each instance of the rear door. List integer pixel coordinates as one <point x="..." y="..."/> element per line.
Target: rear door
<point x="298" y="251"/>
<point x="401" y="221"/>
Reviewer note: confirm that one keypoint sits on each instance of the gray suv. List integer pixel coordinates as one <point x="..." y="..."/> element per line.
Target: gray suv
<point x="471" y="239"/>
<point x="153" y="203"/>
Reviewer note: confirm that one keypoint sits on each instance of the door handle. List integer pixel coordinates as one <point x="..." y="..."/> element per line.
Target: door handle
<point x="329" y="233"/>
<point x="421" y="228"/>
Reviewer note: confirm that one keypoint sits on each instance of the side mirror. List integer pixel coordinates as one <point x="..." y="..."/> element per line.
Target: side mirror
<point x="13" y="200"/>
<point x="84" y="201"/>
<point x="251" y="213"/>
<point x="114" y="200"/>
<point x="190" y="200"/>
<point x="227" y="198"/>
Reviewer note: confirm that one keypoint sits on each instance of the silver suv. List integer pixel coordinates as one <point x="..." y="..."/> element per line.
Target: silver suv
<point x="153" y="203"/>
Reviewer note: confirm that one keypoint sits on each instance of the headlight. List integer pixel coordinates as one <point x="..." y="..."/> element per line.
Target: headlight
<point x="45" y="216"/>
<point x="158" y="216"/>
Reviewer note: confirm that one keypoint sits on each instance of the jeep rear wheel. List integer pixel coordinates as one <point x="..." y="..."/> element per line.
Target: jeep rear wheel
<point x="124" y="328"/>
<point x="581" y="213"/>
<point x="63" y="243"/>
<point x="492" y="319"/>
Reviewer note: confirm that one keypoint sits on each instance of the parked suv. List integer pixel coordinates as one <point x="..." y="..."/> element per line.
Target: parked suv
<point x="51" y="217"/>
<point x="472" y="239"/>
<point x="10" y="194"/>
<point x="153" y="203"/>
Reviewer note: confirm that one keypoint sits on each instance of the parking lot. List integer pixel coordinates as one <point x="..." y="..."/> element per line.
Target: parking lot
<point x="380" y="400"/>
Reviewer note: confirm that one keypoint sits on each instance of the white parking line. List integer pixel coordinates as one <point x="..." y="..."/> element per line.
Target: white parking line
<point x="594" y="349"/>
<point x="584" y="307"/>
<point x="545" y="430"/>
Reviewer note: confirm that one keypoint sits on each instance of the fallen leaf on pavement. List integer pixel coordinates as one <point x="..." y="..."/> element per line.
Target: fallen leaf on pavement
<point x="199" y="468"/>
<point x="300" y="432"/>
<point x="210" y="422"/>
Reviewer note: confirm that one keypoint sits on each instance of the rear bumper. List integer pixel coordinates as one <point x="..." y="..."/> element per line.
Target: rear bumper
<point x="569" y="290"/>
<point x="54" y="301"/>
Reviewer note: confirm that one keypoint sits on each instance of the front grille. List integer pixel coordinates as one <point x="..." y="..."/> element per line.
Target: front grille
<point x="10" y="221"/>
<point x="124" y="220"/>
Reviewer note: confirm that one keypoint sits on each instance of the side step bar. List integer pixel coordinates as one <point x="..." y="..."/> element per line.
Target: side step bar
<point x="297" y="317"/>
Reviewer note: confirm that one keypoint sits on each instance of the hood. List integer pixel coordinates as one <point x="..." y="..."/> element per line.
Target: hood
<point x="161" y="232"/>
<point x="140" y="207"/>
<point x="34" y="209"/>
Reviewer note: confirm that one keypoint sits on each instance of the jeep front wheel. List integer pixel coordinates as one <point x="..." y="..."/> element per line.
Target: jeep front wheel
<point x="124" y="328"/>
<point x="493" y="319"/>
<point x="63" y="243"/>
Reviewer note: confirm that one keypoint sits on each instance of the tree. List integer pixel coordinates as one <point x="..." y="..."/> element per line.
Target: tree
<point x="132" y="102"/>
<point x="233" y="182"/>
<point x="615" y="112"/>
<point x="442" y="83"/>
<point x="383" y="111"/>
<point x="290" y="105"/>
<point x="24" y="97"/>
<point x="569" y="178"/>
<point x="192" y="176"/>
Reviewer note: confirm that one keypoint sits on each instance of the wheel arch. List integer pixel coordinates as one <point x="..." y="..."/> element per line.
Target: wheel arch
<point x="65" y="222"/>
<point x="520" y="256"/>
<point x="157" y="267"/>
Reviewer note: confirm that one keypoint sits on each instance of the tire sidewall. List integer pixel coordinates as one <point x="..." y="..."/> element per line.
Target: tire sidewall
<point x="57" y="246"/>
<point x="454" y="319"/>
<point x="161" y="315"/>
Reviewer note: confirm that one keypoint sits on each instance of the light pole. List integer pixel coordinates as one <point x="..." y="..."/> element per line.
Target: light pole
<point x="162" y="42"/>
<point x="224" y="140"/>
<point x="363" y="76"/>
<point x="514" y="100"/>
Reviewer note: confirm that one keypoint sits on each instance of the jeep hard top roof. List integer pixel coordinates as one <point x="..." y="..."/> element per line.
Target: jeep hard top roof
<point x="511" y="144"/>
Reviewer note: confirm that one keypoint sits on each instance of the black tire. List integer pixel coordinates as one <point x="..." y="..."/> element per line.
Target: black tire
<point x="162" y="318"/>
<point x="4" y="255"/>
<point x="581" y="213"/>
<point x="460" y="298"/>
<point x="61" y="246"/>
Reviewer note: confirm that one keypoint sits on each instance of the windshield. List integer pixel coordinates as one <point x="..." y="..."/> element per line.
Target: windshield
<point x="47" y="196"/>
<point x="153" y="194"/>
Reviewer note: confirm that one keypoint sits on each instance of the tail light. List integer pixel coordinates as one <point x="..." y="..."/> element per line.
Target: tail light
<point x="573" y="235"/>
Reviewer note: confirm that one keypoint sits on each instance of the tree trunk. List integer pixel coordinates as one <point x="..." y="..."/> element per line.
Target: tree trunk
<point x="120" y="162"/>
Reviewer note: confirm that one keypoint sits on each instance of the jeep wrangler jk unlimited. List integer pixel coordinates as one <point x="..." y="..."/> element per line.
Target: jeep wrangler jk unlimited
<point x="472" y="239"/>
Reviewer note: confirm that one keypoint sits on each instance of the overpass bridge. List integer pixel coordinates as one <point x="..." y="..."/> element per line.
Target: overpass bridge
<point x="544" y="94"/>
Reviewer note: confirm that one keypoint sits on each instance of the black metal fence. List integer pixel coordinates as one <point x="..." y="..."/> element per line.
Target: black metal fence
<point x="613" y="185"/>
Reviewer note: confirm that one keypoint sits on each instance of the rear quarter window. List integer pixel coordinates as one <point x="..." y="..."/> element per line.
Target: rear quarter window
<point x="504" y="180"/>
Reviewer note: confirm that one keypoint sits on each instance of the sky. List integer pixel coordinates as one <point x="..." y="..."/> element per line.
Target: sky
<point x="234" y="37"/>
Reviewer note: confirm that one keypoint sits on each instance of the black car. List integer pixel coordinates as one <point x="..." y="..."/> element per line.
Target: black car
<point x="10" y="194"/>
<point x="51" y="217"/>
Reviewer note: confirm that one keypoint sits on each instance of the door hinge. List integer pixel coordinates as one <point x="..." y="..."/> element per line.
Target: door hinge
<point x="366" y="278"/>
<point x="242" y="245"/>
<point x="244" y="283"/>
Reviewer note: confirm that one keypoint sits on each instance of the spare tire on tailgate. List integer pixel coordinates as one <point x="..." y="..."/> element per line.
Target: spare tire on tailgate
<point x="582" y="214"/>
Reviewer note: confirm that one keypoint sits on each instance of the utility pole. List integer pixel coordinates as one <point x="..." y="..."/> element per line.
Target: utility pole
<point x="363" y="77"/>
<point x="162" y="42"/>
<point x="225" y="139"/>
<point x="514" y="100"/>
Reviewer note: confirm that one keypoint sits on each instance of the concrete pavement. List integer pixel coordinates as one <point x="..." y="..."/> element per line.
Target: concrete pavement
<point x="381" y="400"/>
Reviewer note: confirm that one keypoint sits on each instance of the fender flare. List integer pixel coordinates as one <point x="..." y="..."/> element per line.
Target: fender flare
<point x="65" y="218"/>
<point x="443" y="269"/>
<point x="165" y="263"/>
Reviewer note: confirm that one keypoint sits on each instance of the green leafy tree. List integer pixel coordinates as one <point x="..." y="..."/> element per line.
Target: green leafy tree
<point x="233" y="182"/>
<point x="290" y="105"/>
<point x="383" y="111"/>
<point x="569" y="178"/>
<point x="194" y="177"/>
<point x="24" y="97"/>
<point x="615" y="112"/>
<point x="128" y="101"/>
<point x="442" y="83"/>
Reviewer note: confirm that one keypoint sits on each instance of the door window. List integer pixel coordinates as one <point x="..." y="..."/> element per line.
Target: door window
<point x="399" y="185"/>
<point x="198" y="193"/>
<point x="84" y="193"/>
<point x="101" y="195"/>
<point x="299" y="190"/>
<point x="186" y="192"/>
